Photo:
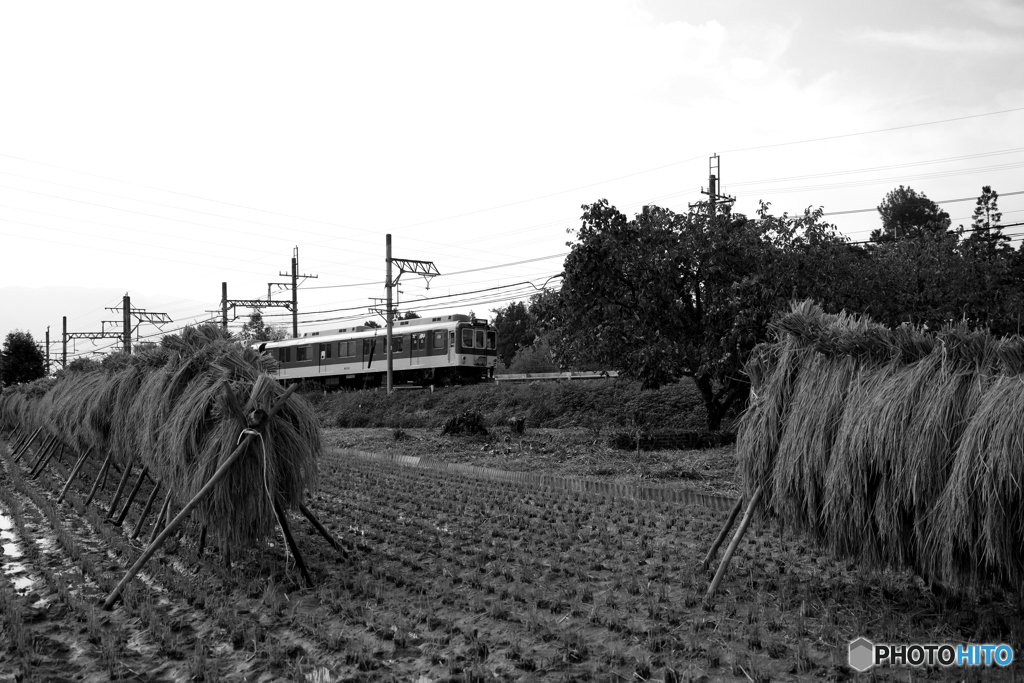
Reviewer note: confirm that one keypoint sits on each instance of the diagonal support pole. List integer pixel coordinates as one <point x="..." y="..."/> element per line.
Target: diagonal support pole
<point x="720" y="574"/>
<point x="221" y="472"/>
<point x="161" y="518"/>
<point x="722" y="534"/>
<point x="49" y="444"/>
<point x="282" y="519"/>
<point x="57" y="451"/>
<point x="322" y="529"/>
<point x="25" y="445"/>
<point x="131" y="497"/>
<point x="120" y="488"/>
<point x="146" y="509"/>
<point x="99" y="475"/>
<point x="74" y="473"/>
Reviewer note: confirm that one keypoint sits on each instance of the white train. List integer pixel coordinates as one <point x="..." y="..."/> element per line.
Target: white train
<point x="438" y="350"/>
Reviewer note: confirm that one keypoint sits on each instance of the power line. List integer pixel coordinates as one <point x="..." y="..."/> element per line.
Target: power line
<point x="937" y="201"/>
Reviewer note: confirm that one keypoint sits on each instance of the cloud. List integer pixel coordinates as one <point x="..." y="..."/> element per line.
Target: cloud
<point x="941" y="40"/>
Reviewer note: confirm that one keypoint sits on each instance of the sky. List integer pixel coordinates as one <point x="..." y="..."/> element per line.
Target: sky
<point x="161" y="149"/>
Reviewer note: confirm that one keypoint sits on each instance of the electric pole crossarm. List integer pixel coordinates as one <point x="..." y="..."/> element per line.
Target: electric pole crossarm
<point x="425" y="268"/>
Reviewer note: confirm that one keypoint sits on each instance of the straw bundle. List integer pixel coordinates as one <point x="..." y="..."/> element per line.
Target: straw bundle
<point x="899" y="447"/>
<point x="179" y="411"/>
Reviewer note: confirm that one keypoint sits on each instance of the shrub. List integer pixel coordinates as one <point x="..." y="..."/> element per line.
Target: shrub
<point x="469" y="422"/>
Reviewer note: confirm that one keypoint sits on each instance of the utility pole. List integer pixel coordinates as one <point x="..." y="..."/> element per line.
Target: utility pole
<point x="425" y="268"/>
<point x="714" y="183"/>
<point x="244" y="303"/>
<point x="127" y="314"/>
<point x="295" y="291"/>
<point x="127" y="322"/>
<point x="64" y="350"/>
<point x="47" y="350"/>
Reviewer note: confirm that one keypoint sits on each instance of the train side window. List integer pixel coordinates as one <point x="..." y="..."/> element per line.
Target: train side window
<point x="439" y="339"/>
<point x="396" y="344"/>
<point x="301" y="353"/>
<point x="286" y="354"/>
<point x="467" y="338"/>
<point x="366" y="347"/>
<point x="326" y="348"/>
<point x="490" y="340"/>
<point x="479" y="339"/>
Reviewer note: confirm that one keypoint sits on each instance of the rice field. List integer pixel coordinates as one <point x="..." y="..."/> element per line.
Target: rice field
<point x="447" y="576"/>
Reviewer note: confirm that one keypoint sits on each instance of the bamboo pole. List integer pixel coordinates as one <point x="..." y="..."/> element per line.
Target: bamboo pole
<point x="42" y="449"/>
<point x="131" y="497"/>
<point x="321" y="528"/>
<point x="58" y="449"/>
<point x="202" y="541"/>
<point x="101" y="473"/>
<point x="198" y="498"/>
<point x="720" y="574"/>
<point x="16" y="437"/>
<point x="48" y="445"/>
<point x="120" y="488"/>
<point x="145" y="510"/>
<point x="283" y="521"/>
<point x="722" y="534"/>
<point x="161" y="518"/>
<point x="74" y="473"/>
<point x="28" y="445"/>
<point x="25" y="444"/>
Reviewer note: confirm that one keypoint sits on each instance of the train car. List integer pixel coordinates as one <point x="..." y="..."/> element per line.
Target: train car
<point x="449" y="349"/>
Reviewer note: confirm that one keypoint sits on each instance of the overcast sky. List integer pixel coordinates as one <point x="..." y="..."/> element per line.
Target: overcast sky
<point x="161" y="149"/>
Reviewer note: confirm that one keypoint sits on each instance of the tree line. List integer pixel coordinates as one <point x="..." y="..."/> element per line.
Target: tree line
<point x="663" y="295"/>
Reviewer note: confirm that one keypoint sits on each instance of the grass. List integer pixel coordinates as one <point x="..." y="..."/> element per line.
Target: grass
<point x="598" y="405"/>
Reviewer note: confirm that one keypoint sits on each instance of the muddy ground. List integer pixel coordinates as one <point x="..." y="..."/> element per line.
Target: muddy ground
<point x="444" y="576"/>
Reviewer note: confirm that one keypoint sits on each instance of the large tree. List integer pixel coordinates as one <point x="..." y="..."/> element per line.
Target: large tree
<point x="516" y="329"/>
<point x="906" y="214"/>
<point x="665" y="296"/>
<point x="20" y="359"/>
<point x="257" y="330"/>
<point x="985" y="239"/>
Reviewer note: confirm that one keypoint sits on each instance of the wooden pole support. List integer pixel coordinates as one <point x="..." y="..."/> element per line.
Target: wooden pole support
<point x="39" y="454"/>
<point x="74" y="473"/>
<point x="198" y="498"/>
<point x="28" y="445"/>
<point x="282" y="519"/>
<point x="146" y="509"/>
<point x="25" y="444"/>
<point x="16" y="437"/>
<point x="99" y="475"/>
<point x="131" y="497"/>
<point x="161" y="518"/>
<point x="202" y="541"/>
<point x="58" y="450"/>
<point x="49" y="443"/>
<point x="754" y="500"/>
<point x="120" y="488"/>
<point x="722" y="534"/>
<point x="321" y="528"/>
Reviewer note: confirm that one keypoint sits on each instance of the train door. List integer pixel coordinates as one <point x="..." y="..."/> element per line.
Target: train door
<point x="417" y="347"/>
<point x="325" y="357"/>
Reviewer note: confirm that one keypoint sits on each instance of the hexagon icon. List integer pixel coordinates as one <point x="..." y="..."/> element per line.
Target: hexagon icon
<point x="862" y="654"/>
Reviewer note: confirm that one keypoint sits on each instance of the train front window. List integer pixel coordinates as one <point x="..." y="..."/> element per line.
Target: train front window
<point x="490" y="341"/>
<point x="479" y="339"/>
<point x="467" y="338"/>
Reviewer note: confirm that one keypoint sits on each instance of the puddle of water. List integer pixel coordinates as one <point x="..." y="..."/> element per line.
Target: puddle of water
<point x="16" y="571"/>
